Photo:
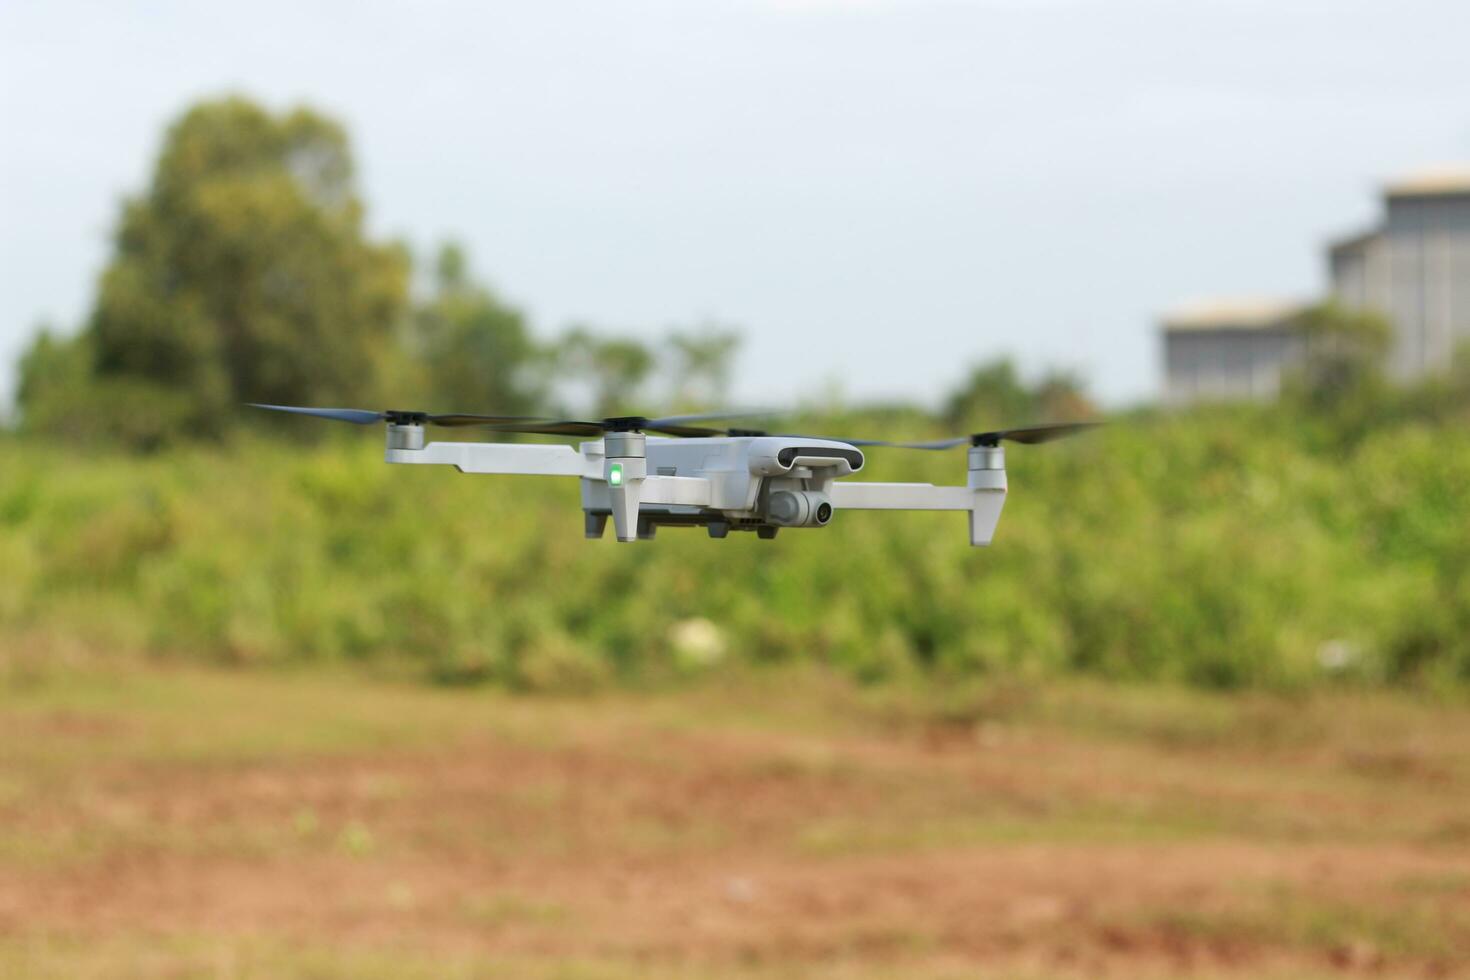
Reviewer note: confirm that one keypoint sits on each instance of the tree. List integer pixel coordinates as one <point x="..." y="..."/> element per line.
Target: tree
<point x="1344" y="355"/>
<point x="60" y="394"/>
<point x="50" y="363"/>
<point x="701" y="362"/>
<point x="243" y="273"/>
<point x="993" y="394"/>
<point x="1062" y="396"/>
<point x="614" y="368"/>
<point x="477" y="354"/>
<point x="50" y="376"/>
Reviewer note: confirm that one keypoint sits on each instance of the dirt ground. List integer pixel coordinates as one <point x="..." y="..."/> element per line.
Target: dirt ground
<point x="181" y="823"/>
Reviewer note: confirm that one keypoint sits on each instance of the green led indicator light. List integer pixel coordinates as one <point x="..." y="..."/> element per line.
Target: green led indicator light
<point x="615" y="475"/>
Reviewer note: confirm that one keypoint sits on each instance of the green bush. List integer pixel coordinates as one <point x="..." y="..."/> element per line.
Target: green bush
<point x="1222" y="548"/>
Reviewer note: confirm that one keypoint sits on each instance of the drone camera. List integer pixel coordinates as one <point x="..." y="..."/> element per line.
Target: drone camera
<point x="799" y="508"/>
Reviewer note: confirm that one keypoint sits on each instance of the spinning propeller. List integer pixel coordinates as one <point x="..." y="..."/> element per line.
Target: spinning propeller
<point x="669" y="425"/>
<point x="361" y="416"/>
<point x="1027" y="435"/>
<point x="672" y="425"/>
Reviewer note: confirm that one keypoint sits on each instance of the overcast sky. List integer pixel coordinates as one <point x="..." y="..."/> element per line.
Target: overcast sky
<point x="877" y="193"/>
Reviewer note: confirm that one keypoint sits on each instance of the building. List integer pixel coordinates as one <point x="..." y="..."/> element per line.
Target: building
<point x="1414" y="267"/>
<point x="1229" y="350"/>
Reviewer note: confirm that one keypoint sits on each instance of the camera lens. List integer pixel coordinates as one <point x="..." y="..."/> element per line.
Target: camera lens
<point x="824" y="512"/>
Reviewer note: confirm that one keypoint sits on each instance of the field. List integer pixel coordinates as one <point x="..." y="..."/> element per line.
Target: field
<point x="272" y="709"/>
<point x="778" y="822"/>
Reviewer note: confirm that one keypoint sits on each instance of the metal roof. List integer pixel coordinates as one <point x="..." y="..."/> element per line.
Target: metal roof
<point x="1240" y="313"/>
<point x="1432" y="182"/>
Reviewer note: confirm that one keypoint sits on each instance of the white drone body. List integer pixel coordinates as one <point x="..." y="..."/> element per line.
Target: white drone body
<point x="721" y="479"/>
<point x="731" y="482"/>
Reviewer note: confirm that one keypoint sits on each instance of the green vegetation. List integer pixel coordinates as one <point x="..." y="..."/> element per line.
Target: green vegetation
<point x="1242" y="547"/>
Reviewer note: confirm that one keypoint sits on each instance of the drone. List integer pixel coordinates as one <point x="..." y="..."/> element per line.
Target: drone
<point x="646" y="473"/>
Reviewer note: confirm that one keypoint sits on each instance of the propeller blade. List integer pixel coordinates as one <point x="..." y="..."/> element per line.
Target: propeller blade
<point x="674" y="425"/>
<point x="671" y="425"/>
<point x="1026" y="435"/>
<point x="1032" y="434"/>
<point x="594" y="430"/>
<point x="357" y="416"/>
<point x="455" y="420"/>
<point x="683" y="431"/>
<point x="565" y="427"/>
<point x="934" y="444"/>
<point x="850" y="442"/>
<point x="710" y="417"/>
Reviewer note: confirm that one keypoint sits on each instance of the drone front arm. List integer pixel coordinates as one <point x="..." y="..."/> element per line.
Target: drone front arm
<point x="900" y="496"/>
<point x="983" y="503"/>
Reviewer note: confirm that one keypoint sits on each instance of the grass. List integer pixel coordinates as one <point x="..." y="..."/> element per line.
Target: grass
<point x="758" y="823"/>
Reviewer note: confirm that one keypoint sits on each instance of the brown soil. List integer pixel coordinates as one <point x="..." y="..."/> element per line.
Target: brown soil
<point x="730" y="848"/>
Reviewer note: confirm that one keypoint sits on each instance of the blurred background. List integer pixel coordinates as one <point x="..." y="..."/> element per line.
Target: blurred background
<point x="272" y="708"/>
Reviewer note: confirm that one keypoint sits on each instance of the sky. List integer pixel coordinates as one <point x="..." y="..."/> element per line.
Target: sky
<point x="877" y="194"/>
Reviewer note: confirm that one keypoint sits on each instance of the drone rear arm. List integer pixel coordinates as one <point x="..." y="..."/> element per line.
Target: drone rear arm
<point x="492" y="457"/>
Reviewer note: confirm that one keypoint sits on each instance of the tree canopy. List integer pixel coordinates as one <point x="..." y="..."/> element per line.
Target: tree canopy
<point x="995" y="395"/>
<point x="476" y="351"/>
<point x="242" y="273"/>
